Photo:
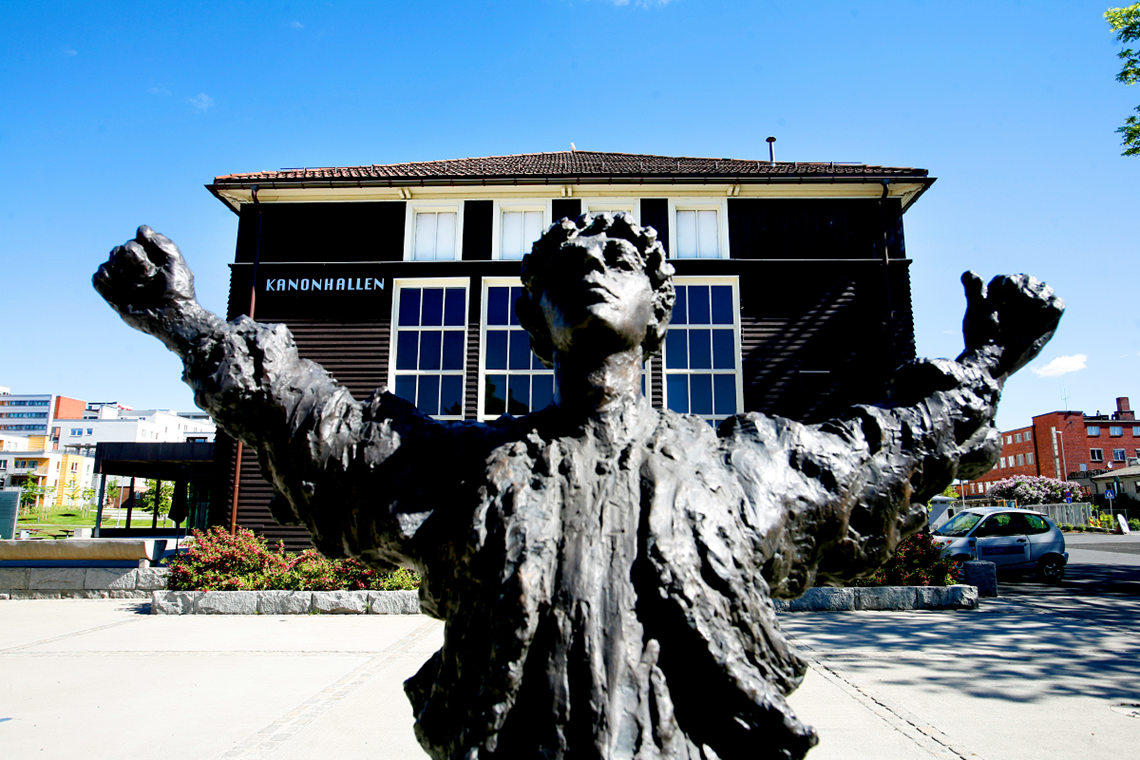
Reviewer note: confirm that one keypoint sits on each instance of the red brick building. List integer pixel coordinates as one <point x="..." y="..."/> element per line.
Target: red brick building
<point x="1067" y="445"/>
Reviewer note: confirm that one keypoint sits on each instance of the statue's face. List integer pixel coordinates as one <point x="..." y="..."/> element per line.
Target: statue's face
<point x="598" y="296"/>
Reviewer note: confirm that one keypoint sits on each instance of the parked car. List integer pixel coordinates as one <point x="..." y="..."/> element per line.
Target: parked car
<point x="1013" y="539"/>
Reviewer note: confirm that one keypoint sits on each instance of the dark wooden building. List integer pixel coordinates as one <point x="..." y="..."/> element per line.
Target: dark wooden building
<point x="792" y="278"/>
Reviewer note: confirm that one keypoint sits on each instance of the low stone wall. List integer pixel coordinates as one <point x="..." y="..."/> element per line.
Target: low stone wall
<point x="285" y="603"/>
<point x="81" y="582"/>
<point x="882" y="598"/>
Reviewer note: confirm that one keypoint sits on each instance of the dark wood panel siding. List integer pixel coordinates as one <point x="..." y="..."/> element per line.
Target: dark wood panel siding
<point x="478" y="222"/>
<point x="813" y="344"/>
<point x="655" y="214"/>
<point x="809" y="229"/>
<point x="569" y="208"/>
<point x="367" y="231"/>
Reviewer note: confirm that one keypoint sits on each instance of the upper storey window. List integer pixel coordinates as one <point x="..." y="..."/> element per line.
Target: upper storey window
<point x="699" y="229"/>
<point x="518" y="223"/>
<point x="433" y="231"/>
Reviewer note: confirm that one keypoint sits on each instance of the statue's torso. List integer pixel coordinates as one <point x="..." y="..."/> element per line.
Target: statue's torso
<point x="593" y="623"/>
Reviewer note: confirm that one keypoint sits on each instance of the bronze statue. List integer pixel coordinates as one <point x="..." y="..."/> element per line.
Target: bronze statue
<point x="605" y="569"/>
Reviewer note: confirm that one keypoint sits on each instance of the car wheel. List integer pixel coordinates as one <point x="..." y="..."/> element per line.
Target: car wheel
<point x="1051" y="569"/>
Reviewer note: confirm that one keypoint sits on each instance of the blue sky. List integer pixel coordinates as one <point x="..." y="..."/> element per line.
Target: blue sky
<point x="119" y="113"/>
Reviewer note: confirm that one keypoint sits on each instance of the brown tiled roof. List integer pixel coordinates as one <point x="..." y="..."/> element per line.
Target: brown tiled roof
<point x="577" y="164"/>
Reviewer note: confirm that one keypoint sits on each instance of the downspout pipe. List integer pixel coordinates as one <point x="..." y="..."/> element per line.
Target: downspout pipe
<point x="239" y="449"/>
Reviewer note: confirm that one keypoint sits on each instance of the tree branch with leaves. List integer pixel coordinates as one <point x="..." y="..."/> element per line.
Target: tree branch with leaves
<point x="1126" y="23"/>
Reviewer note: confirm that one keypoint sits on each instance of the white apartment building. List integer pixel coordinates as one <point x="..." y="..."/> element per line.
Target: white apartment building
<point x="111" y="422"/>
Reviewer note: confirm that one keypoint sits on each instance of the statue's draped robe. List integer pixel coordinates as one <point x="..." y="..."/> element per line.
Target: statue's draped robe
<point x="606" y="589"/>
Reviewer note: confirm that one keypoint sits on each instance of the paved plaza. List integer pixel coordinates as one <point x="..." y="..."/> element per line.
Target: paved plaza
<point x="1039" y="674"/>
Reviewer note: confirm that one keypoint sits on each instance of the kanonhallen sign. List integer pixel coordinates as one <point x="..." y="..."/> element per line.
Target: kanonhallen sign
<point x="317" y="291"/>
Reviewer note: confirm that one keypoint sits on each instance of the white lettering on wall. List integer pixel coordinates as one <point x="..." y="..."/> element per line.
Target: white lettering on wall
<point x="308" y="284"/>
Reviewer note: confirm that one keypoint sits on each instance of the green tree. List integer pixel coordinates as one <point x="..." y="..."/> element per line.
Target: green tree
<point x="1126" y="23"/>
<point x="73" y="492"/>
<point x="147" y="499"/>
<point x="31" y="493"/>
<point x="111" y="491"/>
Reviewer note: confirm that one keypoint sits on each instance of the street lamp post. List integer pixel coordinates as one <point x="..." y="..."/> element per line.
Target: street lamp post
<point x="1064" y="464"/>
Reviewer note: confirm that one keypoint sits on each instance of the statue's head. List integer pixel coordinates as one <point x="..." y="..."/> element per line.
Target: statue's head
<point x="598" y="283"/>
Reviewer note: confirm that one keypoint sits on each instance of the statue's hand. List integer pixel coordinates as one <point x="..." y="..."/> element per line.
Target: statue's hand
<point x="147" y="281"/>
<point x="1010" y="321"/>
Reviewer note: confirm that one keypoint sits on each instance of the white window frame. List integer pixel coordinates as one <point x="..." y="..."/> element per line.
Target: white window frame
<point x="515" y="282"/>
<point x="734" y="283"/>
<point x="488" y="283"/>
<point x="1096" y="457"/>
<point x="1002" y="463"/>
<point x="1115" y="431"/>
<point x="432" y="282"/>
<point x="500" y="207"/>
<point x="720" y="205"/>
<point x="612" y="206"/>
<point x="1120" y="455"/>
<point x="431" y="206"/>
<point x="1092" y="431"/>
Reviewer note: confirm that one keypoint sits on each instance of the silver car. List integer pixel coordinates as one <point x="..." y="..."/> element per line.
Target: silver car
<point x="1013" y="539"/>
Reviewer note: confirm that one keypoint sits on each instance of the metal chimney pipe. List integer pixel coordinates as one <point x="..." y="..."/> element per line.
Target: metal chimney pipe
<point x="771" y="150"/>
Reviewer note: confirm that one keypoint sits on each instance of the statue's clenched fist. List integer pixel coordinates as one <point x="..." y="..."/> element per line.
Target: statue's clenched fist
<point x="1010" y="320"/>
<point x="147" y="282"/>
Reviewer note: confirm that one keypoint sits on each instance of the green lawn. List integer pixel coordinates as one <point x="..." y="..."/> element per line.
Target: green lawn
<point x="54" y="523"/>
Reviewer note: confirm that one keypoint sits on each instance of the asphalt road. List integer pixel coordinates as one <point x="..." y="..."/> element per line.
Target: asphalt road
<point x="1101" y="586"/>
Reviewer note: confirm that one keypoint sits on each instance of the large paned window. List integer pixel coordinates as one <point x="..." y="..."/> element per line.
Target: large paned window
<point x="702" y="350"/>
<point x="698" y="229"/>
<point x="433" y="231"/>
<point x="429" y="326"/>
<point x="514" y="379"/>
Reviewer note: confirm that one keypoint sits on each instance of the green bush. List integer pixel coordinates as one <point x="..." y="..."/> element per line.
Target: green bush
<point x="1134" y="524"/>
<point x="1066" y="527"/>
<point x="917" y="561"/>
<point x="220" y="561"/>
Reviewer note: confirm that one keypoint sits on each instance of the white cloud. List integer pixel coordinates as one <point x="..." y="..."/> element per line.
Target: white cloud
<point x="158" y="91"/>
<point x="640" y="3"/>
<point x="201" y="101"/>
<point x="70" y="51"/>
<point x="297" y="25"/>
<point x="1062" y="365"/>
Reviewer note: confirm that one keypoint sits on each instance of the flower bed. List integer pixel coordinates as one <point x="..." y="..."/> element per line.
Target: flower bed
<point x="217" y="560"/>
<point x="917" y="561"/>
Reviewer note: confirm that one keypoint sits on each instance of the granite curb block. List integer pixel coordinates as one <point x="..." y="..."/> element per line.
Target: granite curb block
<point x="81" y="582"/>
<point x="882" y="598"/>
<point x="285" y="603"/>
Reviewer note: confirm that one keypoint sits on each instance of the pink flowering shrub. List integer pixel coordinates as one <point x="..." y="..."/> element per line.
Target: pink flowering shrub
<point x="1030" y="489"/>
<point x="220" y="561"/>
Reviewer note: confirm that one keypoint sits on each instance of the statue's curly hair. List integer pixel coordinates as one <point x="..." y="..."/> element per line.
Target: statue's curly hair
<point x="536" y="270"/>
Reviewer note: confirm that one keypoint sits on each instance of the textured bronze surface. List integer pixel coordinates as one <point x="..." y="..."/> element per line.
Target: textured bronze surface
<point x="605" y="569"/>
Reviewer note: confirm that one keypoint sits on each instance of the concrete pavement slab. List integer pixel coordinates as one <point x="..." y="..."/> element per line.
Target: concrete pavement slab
<point x="98" y="679"/>
<point x="1015" y="683"/>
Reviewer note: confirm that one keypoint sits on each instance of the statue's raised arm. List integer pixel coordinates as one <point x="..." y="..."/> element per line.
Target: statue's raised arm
<point x="315" y="442"/>
<point x="870" y="472"/>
